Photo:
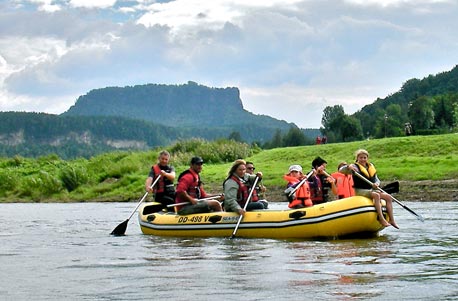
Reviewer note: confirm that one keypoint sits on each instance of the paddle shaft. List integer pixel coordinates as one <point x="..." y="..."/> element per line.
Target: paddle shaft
<point x="244" y="207"/>
<point x="144" y="196"/>
<point x="204" y="199"/>
<point x="121" y="228"/>
<point x="301" y="182"/>
<point x="394" y="199"/>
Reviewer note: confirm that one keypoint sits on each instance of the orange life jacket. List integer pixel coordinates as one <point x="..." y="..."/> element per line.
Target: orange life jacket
<point x="302" y="193"/>
<point x="344" y="185"/>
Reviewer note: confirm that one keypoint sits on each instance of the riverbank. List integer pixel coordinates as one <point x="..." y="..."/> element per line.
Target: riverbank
<point x="426" y="166"/>
<point x="430" y="191"/>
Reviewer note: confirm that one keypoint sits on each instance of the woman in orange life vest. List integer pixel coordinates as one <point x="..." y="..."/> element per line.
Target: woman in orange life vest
<point x="164" y="191"/>
<point x="344" y="183"/>
<point x="301" y="197"/>
<point x="236" y="189"/>
<point x="362" y="188"/>
<point x="320" y="183"/>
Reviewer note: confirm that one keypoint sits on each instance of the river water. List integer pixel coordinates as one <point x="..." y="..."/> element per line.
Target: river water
<point x="65" y="252"/>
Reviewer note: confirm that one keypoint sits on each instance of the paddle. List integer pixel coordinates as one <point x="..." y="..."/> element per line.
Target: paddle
<point x="121" y="228"/>
<point x="244" y="207"/>
<point x="391" y="187"/>
<point x="394" y="199"/>
<point x="204" y="199"/>
<point x="301" y="183"/>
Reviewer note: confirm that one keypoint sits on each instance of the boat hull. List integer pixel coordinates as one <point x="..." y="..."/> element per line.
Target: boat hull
<point x="355" y="216"/>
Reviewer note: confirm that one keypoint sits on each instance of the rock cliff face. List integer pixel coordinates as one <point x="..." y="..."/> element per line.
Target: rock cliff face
<point x="172" y="105"/>
<point x="137" y="118"/>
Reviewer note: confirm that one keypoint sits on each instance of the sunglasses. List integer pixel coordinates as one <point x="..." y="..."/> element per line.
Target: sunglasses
<point x="250" y="168"/>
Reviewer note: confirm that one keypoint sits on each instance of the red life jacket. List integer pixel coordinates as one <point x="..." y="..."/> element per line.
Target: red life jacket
<point x="344" y="185"/>
<point x="317" y="191"/>
<point x="160" y="186"/>
<point x="193" y="190"/>
<point x="242" y="192"/>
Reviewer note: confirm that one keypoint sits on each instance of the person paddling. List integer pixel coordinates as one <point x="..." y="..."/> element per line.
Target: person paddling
<point x="367" y="170"/>
<point x="164" y="190"/>
<point x="237" y="189"/>
<point x="301" y="197"/>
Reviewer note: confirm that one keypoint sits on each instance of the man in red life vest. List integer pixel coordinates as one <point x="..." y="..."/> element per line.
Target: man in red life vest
<point x="190" y="190"/>
<point x="164" y="191"/>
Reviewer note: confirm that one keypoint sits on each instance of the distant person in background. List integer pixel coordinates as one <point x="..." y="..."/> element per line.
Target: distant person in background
<point x="301" y="196"/>
<point x="164" y="190"/>
<point x="321" y="184"/>
<point x="318" y="140"/>
<point x="190" y="189"/>
<point x="237" y="189"/>
<point x="408" y="128"/>
<point x="344" y="183"/>
<point x="363" y="167"/>
<point x="260" y="188"/>
<point x="324" y="140"/>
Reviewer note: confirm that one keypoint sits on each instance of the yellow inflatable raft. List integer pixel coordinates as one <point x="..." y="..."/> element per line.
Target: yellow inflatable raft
<point x="354" y="216"/>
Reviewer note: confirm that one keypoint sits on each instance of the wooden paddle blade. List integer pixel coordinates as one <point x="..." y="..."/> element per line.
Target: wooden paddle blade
<point x="120" y="230"/>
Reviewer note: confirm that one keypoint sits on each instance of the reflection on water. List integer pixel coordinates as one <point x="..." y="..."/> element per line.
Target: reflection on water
<point x="64" y="251"/>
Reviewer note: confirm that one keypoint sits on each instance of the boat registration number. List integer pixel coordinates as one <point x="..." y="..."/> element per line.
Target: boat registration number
<point x="194" y="219"/>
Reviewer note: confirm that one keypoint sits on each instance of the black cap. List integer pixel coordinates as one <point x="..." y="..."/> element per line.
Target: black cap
<point x="197" y="160"/>
<point x="318" y="162"/>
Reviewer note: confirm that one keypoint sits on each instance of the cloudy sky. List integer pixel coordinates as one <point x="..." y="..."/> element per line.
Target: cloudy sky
<point x="289" y="58"/>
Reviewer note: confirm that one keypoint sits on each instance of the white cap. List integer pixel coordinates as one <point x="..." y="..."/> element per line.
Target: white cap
<point x="295" y="168"/>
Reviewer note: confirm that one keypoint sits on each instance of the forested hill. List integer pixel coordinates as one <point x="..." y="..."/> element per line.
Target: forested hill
<point x="138" y="117"/>
<point x="188" y="105"/>
<point x="429" y="104"/>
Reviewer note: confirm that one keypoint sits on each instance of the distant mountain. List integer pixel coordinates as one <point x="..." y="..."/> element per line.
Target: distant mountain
<point x="196" y="109"/>
<point x="138" y="117"/>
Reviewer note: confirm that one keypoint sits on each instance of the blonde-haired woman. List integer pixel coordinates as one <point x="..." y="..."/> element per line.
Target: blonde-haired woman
<point x="237" y="188"/>
<point x="363" y="167"/>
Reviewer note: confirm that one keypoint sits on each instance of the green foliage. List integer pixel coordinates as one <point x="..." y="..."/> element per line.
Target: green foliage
<point x="40" y="186"/>
<point x="120" y="176"/>
<point x="426" y="104"/>
<point x="73" y="176"/>
<point x="8" y="181"/>
<point x="294" y="137"/>
<point x="212" y="152"/>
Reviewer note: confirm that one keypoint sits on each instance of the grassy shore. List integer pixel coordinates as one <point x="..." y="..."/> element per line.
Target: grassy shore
<point x="425" y="166"/>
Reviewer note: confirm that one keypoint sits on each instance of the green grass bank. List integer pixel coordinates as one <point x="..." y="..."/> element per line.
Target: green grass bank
<point x="426" y="166"/>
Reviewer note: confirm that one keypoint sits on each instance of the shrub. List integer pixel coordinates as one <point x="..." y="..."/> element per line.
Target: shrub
<point x="73" y="177"/>
<point x="41" y="185"/>
<point x="8" y="181"/>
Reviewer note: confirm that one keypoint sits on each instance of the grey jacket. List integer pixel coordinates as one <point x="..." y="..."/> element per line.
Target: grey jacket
<point x="231" y="189"/>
